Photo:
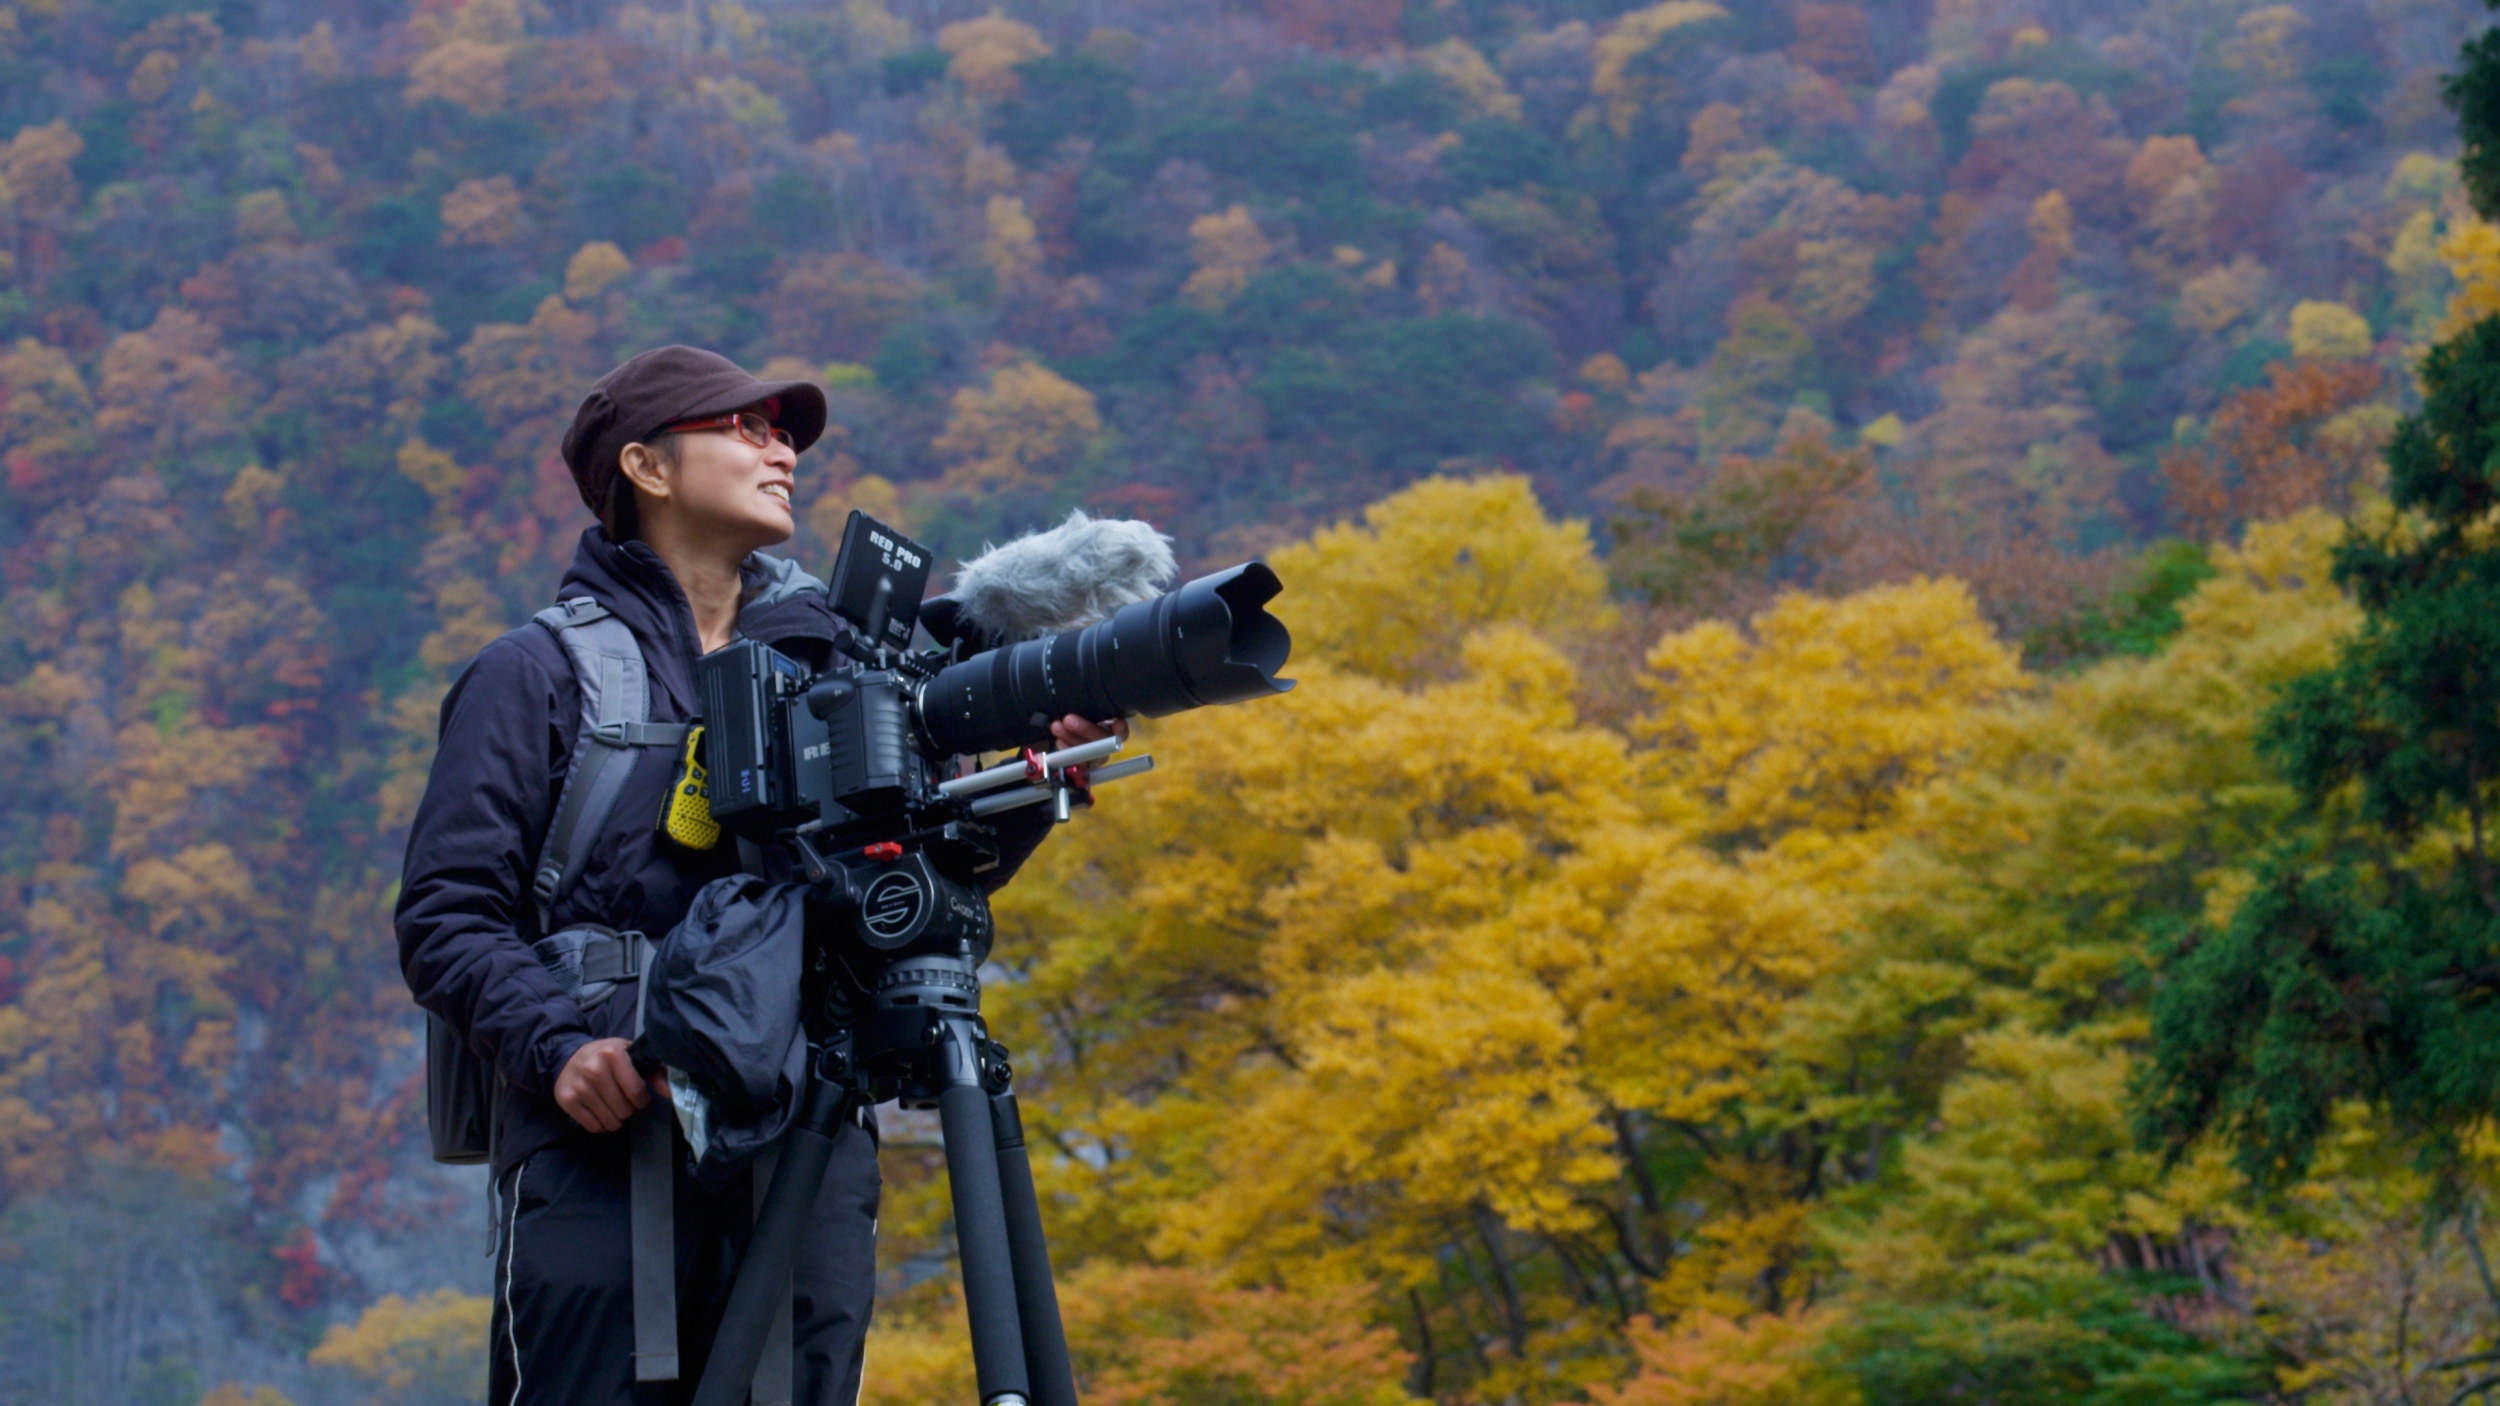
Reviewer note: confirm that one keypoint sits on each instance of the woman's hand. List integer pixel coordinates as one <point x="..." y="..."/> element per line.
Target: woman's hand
<point x="1073" y="731"/>
<point x="600" y="1087"/>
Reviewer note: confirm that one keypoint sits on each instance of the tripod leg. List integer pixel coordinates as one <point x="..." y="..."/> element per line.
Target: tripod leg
<point x="1037" y="1298"/>
<point x="755" y="1299"/>
<point x="981" y="1235"/>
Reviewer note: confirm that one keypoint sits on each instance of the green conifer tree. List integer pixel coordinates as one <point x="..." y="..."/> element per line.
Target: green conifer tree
<point x="2366" y="962"/>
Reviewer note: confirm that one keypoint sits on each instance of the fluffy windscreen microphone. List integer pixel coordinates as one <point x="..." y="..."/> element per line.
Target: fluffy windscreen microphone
<point x="1062" y="579"/>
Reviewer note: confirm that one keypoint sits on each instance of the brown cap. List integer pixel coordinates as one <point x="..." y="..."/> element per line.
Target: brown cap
<point x="661" y="387"/>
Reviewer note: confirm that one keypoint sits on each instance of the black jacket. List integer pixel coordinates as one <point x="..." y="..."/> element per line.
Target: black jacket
<point x="465" y="919"/>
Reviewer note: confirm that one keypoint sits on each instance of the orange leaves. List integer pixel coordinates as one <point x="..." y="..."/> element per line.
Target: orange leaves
<point x="44" y="425"/>
<point x="1146" y="1336"/>
<point x="163" y="48"/>
<point x="838" y="305"/>
<point x="186" y="1150"/>
<point x="236" y="1394"/>
<point x="1709" y="1360"/>
<point x="566" y="79"/>
<point x="2012" y="476"/>
<point x="202" y="893"/>
<point x="169" y="388"/>
<point x="2032" y="286"/>
<point x="2160" y="165"/>
<point x="387" y="371"/>
<point x="1170" y="1337"/>
<point x="1835" y="40"/>
<point x="1717" y="131"/>
<point x="158" y="902"/>
<point x="2298" y="441"/>
<point x="518" y="372"/>
<point x="2030" y="137"/>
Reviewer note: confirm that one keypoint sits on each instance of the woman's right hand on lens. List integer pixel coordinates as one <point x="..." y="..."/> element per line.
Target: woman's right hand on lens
<point x="600" y="1087"/>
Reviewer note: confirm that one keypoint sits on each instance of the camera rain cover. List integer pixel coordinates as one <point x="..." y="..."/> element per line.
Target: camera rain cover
<point x="723" y="1012"/>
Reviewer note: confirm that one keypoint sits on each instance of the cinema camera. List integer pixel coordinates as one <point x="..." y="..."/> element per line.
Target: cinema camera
<point x="857" y="769"/>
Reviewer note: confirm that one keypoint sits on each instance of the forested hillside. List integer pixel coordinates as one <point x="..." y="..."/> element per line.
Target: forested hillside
<point x="1796" y="514"/>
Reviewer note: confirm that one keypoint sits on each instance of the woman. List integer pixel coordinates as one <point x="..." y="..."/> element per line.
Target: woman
<point x="687" y="462"/>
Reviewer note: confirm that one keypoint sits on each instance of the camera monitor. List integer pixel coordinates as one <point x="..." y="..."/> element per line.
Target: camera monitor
<point x="878" y="579"/>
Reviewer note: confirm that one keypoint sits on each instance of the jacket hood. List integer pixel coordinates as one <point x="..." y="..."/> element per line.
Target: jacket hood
<point x="785" y="607"/>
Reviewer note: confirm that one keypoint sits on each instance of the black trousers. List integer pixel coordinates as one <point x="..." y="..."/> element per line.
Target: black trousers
<point x="563" y="1327"/>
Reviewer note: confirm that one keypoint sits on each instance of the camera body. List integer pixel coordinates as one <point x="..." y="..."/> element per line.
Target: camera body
<point x="789" y="750"/>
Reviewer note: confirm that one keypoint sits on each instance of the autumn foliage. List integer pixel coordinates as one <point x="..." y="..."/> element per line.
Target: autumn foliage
<point x="2309" y="436"/>
<point x="1792" y="513"/>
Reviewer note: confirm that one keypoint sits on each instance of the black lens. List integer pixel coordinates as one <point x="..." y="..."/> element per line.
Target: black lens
<point x="1209" y="642"/>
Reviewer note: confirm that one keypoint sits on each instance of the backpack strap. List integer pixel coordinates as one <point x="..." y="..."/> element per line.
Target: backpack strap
<point x="615" y="687"/>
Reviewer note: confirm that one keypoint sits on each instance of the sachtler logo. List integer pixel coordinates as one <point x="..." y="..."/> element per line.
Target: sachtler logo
<point x="893" y="906"/>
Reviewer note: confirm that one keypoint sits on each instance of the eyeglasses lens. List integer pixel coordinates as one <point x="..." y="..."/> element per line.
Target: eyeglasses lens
<point x="758" y="431"/>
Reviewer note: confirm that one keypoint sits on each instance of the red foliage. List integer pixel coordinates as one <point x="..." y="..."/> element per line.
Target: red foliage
<point x="1337" y="24"/>
<point x="2029" y="138"/>
<point x="306" y="1276"/>
<point x="2253" y="204"/>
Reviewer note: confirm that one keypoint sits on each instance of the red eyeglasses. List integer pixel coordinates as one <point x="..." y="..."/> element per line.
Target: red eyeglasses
<point x="749" y="425"/>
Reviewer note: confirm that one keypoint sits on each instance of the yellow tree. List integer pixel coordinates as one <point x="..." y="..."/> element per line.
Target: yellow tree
<point x="1228" y="249"/>
<point x="1027" y="424"/>
<point x="1143" y="1336"/>
<point x="1417" y="978"/>
<point x="1989" y="1012"/>
<point x="432" y="1347"/>
<point x="1393" y="597"/>
<point x="983" y="54"/>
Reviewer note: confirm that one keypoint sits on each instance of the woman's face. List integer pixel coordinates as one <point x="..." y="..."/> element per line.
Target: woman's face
<point x="716" y="486"/>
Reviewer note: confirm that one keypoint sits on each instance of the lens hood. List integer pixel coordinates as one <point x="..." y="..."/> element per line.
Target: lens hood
<point x="1212" y="641"/>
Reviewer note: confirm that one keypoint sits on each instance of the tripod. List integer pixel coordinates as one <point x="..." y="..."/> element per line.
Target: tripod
<point x="914" y="946"/>
<point x="922" y="1037"/>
